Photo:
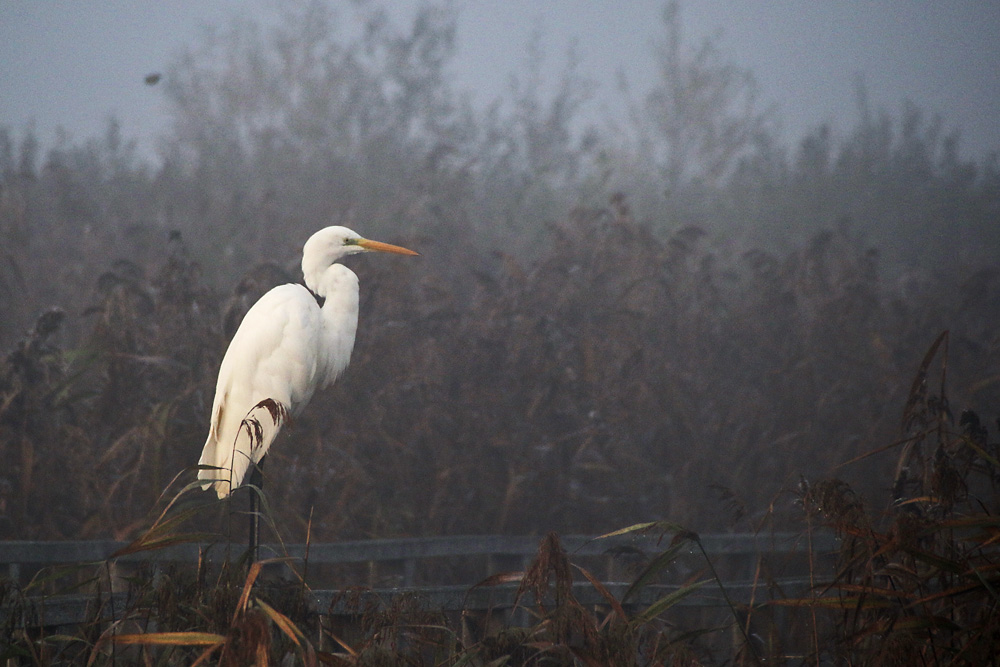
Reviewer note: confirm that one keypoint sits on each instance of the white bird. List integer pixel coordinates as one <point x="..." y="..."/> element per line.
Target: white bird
<point x="286" y="347"/>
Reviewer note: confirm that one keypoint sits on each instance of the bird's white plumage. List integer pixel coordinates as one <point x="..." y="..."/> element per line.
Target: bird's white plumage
<point x="286" y="347"/>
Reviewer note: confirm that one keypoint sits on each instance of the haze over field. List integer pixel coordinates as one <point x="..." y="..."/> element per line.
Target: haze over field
<point x="71" y="64"/>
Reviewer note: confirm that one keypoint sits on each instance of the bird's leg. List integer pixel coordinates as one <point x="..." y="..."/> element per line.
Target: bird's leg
<point x="257" y="482"/>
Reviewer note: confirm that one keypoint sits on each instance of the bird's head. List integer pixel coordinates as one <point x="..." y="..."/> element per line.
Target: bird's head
<point x="332" y="243"/>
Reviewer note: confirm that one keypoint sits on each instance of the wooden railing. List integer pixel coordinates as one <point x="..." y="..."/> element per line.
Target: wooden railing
<point x="741" y="553"/>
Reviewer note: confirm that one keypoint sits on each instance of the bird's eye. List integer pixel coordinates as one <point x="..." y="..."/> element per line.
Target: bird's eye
<point x="350" y="242"/>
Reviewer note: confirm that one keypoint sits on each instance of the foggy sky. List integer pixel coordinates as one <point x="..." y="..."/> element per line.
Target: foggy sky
<point x="74" y="63"/>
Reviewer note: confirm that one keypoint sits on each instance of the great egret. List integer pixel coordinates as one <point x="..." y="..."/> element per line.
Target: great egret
<point x="286" y="347"/>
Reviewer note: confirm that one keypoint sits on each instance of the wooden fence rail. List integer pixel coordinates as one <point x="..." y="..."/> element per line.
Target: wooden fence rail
<point x="14" y="554"/>
<point x="743" y="549"/>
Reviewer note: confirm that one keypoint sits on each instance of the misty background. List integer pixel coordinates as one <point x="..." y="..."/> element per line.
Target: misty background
<point x="71" y="64"/>
<point x="669" y="251"/>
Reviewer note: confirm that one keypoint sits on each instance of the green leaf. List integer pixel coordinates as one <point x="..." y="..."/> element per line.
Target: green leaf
<point x="658" y="564"/>
<point x="668" y="601"/>
<point x="646" y="528"/>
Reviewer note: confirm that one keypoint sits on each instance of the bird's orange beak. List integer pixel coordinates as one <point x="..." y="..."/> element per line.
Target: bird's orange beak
<point x="378" y="246"/>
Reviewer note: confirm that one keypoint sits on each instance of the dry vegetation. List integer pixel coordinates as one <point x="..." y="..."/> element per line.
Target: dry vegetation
<point x="596" y="335"/>
<point x="618" y="377"/>
<point x="912" y="585"/>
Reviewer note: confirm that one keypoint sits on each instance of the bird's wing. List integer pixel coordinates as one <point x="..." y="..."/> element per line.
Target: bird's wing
<point x="274" y="356"/>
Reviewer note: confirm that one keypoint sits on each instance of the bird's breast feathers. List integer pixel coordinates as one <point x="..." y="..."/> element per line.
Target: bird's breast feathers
<point x="275" y="352"/>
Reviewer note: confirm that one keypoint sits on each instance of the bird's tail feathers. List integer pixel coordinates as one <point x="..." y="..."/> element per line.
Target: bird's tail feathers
<point x="208" y="466"/>
<point x="257" y="431"/>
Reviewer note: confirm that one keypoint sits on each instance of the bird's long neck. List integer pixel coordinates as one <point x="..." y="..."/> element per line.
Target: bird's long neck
<point x="339" y="289"/>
